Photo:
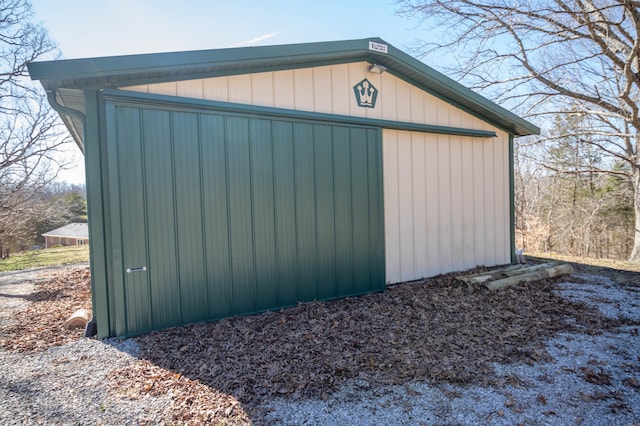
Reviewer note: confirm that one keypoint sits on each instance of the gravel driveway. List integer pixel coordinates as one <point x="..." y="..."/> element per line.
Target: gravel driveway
<point x="589" y="375"/>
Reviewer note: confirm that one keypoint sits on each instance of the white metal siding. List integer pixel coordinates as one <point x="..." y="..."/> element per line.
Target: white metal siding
<point x="326" y="89"/>
<point x="446" y="203"/>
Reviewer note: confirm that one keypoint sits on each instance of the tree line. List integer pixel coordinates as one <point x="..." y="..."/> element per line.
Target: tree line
<point x="56" y="205"/>
<point x="31" y="138"/>
<point x="573" y="68"/>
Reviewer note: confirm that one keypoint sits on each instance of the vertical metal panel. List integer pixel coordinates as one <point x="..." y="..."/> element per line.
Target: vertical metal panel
<point x="360" y="210"/>
<point x="216" y="89"/>
<point x="341" y="92"/>
<point x="170" y="88"/>
<point x="468" y="204"/>
<point x="132" y="210"/>
<point x="240" y="88"/>
<point x="262" y="89"/>
<point x="489" y="194"/>
<point x="403" y="103"/>
<point x="285" y="213"/>
<point x="263" y="213"/>
<point x="215" y="203"/>
<point x="322" y="89"/>
<point x="376" y="210"/>
<point x="444" y="203"/>
<point x="502" y="206"/>
<point x="190" y="89"/>
<point x="283" y="95"/>
<point x="302" y="89"/>
<point x="479" y="215"/>
<point x="442" y="112"/>
<point x="344" y="210"/>
<point x="512" y="204"/>
<point x="417" y="105"/>
<point x="240" y="215"/>
<point x="456" y="194"/>
<point x="405" y="205"/>
<point x="432" y="189"/>
<point x="388" y="96"/>
<point x="188" y="206"/>
<point x="305" y="211"/>
<point x="117" y="299"/>
<point x="391" y="205"/>
<point x="325" y="216"/>
<point x="421" y="238"/>
<point x="97" y="185"/>
<point x="161" y="221"/>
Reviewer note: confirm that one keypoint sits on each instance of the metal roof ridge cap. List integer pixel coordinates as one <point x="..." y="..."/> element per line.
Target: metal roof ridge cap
<point x="150" y="62"/>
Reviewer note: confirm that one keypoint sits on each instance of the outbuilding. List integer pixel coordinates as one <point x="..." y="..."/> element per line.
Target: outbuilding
<point x="72" y="234"/>
<point x="231" y="181"/>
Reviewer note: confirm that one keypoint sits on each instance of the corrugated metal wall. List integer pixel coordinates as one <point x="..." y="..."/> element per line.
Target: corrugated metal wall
<point x="446" y="197"/>
<point x="446" y="203"/>
<point x="233" y="214"/>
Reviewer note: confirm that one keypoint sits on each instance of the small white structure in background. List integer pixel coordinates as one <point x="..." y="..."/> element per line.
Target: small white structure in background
<point x="520" y="256"/>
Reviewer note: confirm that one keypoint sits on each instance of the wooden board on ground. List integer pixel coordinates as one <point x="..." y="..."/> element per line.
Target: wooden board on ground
<point x="515" y="274"/>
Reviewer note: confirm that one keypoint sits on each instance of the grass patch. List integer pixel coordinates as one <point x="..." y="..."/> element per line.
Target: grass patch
<point x="45" y="257"/>
<point x="624" y="273"/>
<point x="600" y="263"/>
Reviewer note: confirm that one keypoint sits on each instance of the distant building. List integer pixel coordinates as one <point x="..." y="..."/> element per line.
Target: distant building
<point x="73" y="234"/>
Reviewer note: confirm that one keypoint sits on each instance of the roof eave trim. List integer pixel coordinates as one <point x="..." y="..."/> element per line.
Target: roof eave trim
<point x="521" y="127"/>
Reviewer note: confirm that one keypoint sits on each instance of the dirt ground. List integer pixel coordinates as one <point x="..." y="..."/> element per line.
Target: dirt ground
<point x="439" y="331"/>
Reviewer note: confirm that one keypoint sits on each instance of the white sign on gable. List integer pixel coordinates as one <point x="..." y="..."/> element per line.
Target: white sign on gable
<point x="378" y="47"/>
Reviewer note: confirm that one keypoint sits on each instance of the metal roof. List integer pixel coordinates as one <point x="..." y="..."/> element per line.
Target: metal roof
<point x="66" y="79"/>
<point x="72" y="230"/>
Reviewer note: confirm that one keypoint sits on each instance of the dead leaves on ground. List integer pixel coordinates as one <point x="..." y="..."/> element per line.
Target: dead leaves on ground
<point x="440" y="330"/>
<point x="39" y="325"/>
<point x="596" y="377"/>
<point x="191" y="401"/>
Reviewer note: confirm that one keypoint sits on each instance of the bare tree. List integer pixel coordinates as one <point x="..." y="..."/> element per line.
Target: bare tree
<point x="30" y="132"/>
<point x="578" y="58"/>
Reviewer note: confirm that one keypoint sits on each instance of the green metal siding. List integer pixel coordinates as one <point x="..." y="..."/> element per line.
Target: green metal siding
<point x="344" y="220"/>
<point x="215" y="203"/>
<point x="233" y="214"/>
<point x="188" y="207"/>
<point x="512" y="203"/>
<point x="95" y="203"/>
<point x="285" y="212"/>
<point x="164" y="303"/>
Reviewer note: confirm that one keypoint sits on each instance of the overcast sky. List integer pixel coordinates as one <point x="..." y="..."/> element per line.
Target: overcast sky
<point x="84" y="28"/>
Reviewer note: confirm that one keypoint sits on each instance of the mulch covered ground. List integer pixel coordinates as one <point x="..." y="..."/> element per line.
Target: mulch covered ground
<point x="438" y="330"/>
<point x="39" y="326"/>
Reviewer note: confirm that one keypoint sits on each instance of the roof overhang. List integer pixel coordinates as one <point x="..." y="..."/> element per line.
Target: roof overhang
<point x="66" y="80"/>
